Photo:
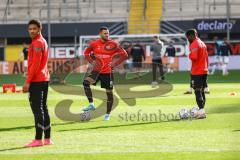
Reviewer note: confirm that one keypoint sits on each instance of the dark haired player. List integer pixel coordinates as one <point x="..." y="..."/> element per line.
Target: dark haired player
<point x="37" y="84"/>
<point x="199" y="57"/>
<point x="100" y="54"/>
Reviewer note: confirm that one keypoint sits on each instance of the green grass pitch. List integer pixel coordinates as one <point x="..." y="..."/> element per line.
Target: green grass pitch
<point x="214" y="138"/>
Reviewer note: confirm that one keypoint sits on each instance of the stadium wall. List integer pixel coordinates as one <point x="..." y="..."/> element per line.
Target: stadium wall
<point x="58" y="29"/>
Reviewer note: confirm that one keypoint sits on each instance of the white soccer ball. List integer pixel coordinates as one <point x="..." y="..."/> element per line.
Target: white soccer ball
<point x="85" y="116"/>
<point x="194" y="112"/>
<point x="184" y="113"/>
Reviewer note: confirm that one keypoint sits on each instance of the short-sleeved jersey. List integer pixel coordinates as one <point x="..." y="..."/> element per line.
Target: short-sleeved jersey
<point x="171" y="51"/>
<point x="103" y="54"/>
<point x="137" y="52"/>
<point x="225" y="49"/>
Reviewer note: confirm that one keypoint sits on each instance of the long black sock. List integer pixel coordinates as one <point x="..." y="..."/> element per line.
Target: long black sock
<point x="88" y="90"/>
<point x="199" y="98"/>
<point x="204" y="98"/>
<point x="109" y="102"/>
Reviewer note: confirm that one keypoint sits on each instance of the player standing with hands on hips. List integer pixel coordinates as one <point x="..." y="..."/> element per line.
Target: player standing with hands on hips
<point x="199" y="71"/>
<point x="37" y="84"/>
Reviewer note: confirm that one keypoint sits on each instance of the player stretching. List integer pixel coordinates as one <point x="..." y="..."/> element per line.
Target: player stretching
<point x="37" y="84"/>
<point x="199" y="57"/>
<point x="100" y="54"/>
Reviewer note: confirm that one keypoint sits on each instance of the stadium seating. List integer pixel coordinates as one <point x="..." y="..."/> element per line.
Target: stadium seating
<point x="144" y="16"/>
<point x="136" y="17"/>
<point x="65" y="10"/>
<point x="19" y="11"/>
<point x="192" y="9"/>
<point x="153" y="16"/>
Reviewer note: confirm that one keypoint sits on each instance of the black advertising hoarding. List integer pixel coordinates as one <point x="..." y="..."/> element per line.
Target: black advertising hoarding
<point x="59" y="29"/>
<point x="217" y="25"/>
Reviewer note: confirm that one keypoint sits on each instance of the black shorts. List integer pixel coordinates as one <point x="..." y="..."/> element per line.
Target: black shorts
<point x="137" y="63"/>
<point x="157" y="61"/>
<point x="199" y="81"/>
<point x="106" y="79"/>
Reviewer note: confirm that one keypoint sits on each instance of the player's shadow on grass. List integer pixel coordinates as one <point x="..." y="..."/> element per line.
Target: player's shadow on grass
<point x="116" y="126"/>
<point x="12" y="149"/>
<point x="30" y="127"/>
<point x="228" y="108"/>
<point x="237" y="130"/>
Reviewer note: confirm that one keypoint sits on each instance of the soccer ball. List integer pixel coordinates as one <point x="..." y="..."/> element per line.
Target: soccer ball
<point x="184" y="113"/>
<point x="194" y="112"/>
<point x="85" y="116"/>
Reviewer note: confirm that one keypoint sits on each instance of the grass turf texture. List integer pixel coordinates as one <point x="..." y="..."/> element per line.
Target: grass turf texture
<point x="217" y="137"/>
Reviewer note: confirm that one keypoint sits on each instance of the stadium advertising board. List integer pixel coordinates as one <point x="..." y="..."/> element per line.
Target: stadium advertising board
<point x="216" y="25"/>
<point x="60" y="65"/>
<point x="65" y="65"/>
<point x="181" y="50"/>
